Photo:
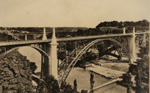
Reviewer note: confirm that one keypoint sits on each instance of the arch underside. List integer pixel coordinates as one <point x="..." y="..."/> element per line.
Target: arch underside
<point x="34" y="47"/>
<point x="78" y="56"/>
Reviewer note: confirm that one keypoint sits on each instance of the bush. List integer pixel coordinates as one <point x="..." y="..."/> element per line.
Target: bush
<point x="67" y="88"/>
<point x="49" y="86"/>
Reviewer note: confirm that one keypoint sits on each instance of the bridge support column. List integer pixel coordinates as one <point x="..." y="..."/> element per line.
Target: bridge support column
<point x="26" y="37"/>
<point x="132" y="47"/>
<point x="44" y="34"/>
<point x="144" y="40"/>
<point x="124" y="30"/>
<point x="44" y="60"/>
<point x="53" y="62"/>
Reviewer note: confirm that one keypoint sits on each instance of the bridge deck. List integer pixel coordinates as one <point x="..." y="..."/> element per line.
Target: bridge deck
<point x="8" y="43"/>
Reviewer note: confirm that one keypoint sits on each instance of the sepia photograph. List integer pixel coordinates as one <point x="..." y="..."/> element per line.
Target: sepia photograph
<point x="74" y="46"/>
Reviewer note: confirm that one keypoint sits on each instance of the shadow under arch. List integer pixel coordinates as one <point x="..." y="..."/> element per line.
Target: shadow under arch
<point x="75" y="60"/>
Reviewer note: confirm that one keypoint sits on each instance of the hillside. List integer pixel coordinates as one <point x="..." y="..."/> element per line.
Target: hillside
<point x="139" y="25"/>
<point x="6" y="36"/>
<point x="106" y="27"/>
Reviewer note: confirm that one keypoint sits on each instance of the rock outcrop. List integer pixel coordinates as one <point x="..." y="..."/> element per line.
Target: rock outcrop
<point x="15" y="73"/>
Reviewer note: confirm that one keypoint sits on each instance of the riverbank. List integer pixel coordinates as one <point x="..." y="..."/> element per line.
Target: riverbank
<point x="83" y="81"/>
<point x="106" y="72"/>
<point x="15" y="73"/>
<point x="114" y="65"/>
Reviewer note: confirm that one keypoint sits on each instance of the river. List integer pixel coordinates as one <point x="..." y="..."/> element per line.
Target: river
<point x="82" y="76"/>
<point x="83" y="82"/>
<point x="33" y="55"/>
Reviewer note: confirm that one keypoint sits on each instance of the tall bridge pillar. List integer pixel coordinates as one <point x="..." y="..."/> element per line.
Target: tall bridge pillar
<point x="44" y="60"/>
<point x="49" y="66"/>
<point x="44" y="34"/>
<point x="53" y="62"/>
<point x="132" y="47"/>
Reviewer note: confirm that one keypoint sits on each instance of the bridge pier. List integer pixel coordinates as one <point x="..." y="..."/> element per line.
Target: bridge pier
<point x="26" y="37"/>
<point x="44" y="61"/>
<point x="132" y="46"/>
<point x="144" y="40"/>
<point x="53" y="62"/>
<point x="124" y="30"/>
<point x="44" y="34"/>
<point x="49" y="66"/>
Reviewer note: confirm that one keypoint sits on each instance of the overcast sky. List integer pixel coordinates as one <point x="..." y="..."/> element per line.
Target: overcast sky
<point x="70" y="13"/>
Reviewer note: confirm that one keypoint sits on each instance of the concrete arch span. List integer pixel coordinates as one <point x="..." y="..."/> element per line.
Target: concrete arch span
<point x="75" y="60"/>
<point x="34" y="47"/>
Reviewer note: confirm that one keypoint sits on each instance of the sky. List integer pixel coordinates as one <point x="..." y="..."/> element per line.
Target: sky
<point x="70" y="13"/>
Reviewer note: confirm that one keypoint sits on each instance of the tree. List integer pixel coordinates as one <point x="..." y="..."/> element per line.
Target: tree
<point x="70" y="46"/>
<point x="67" y="88"/>
<point x="33" y="66"/>
<point x="143" y="72"/>
<point x="50" y="85"/>
<point x="88" y="56"/>
<point x="80" y="32"/>
<point x="92" y="82"/>
<point x="75" y="84"/>
<point x="61" y="55"/>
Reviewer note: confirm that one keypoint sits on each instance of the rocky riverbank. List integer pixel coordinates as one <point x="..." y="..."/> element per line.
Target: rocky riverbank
<point x="15" y="73"/>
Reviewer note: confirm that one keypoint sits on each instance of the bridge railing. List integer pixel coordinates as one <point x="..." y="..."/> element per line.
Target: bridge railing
<point x="8" y="42"/>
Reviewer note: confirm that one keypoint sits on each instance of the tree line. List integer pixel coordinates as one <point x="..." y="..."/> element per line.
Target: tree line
<point x="106" y="27"/>
<point x="144" y="23"/>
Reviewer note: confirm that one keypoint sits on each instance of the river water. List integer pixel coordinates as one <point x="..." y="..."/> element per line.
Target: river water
<point x="82" y="76"/>
<point x="33" y="55"/>
<point x="83" y="82"/>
